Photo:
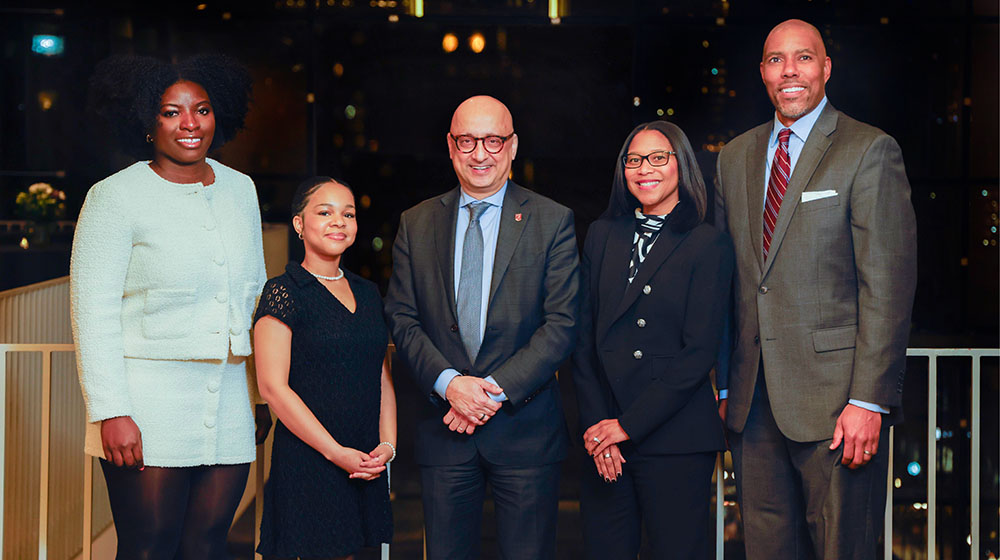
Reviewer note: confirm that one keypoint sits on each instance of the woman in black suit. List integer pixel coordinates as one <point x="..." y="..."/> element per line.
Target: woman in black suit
<point x="656" y="281"/>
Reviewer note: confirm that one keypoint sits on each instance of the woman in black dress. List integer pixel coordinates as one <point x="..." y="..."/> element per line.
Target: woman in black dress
<point x="656" y="282"/>
<point x="320" y="345"/>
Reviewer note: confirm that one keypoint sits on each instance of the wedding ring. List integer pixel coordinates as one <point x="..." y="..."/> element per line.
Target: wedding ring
<point x="595" y="440"/>
<point x="607" y="455"/>
<point x="483" y="417"/>
<point x="867" y="452"/>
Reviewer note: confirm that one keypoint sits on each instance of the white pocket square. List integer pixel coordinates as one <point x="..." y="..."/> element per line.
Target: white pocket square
<point x="809" y="196"/>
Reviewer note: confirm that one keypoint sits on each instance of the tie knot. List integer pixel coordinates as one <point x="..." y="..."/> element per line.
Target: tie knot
<point x="784" y="134"/>
<point x="476" y="210"/>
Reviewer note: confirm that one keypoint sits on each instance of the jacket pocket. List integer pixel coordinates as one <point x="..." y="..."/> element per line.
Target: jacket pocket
<point x="168" y="313"/>
<point x="818" y="204"/>
<point x="837" y="338"/>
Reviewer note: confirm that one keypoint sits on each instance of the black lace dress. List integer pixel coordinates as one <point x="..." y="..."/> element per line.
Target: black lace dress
<point x="311" y="508"/>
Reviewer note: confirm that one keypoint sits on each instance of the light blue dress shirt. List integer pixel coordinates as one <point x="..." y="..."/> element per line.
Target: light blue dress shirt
<point x="489" y="222"/>
<point x="796" y="140"/>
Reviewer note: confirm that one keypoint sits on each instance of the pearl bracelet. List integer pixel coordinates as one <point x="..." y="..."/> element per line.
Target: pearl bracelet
<point x="391" y="446"/>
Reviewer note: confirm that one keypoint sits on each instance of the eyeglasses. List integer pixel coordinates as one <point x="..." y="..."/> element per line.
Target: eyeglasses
<point x="656" y="159"/>
<point x="492" y="144"/>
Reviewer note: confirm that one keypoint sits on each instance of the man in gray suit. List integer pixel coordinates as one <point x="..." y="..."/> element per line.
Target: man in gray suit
<point x="483" y="308"/>
<point x="818" y="206"/>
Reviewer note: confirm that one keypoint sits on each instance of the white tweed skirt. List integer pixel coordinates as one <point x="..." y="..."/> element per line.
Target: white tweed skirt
<point x="190" y="412"/>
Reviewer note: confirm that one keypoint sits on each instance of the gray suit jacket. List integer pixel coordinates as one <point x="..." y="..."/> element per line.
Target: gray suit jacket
<point x="829" y="311"/>
<point x="531" y="325"/>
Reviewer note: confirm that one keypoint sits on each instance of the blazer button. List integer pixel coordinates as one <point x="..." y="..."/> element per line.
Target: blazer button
<point x="756" y="339"/>
<point x="637" y="354"/>
<point x="454" y="328"/>
<point x="763" y="289"/>
<point x="641" y="322"/>
<point x="646" y="289"/>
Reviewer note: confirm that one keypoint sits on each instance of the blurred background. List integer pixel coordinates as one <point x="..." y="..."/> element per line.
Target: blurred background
<point x="363" y="90"/>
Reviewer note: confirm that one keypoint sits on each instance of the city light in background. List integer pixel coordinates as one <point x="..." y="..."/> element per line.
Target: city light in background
<point x="47" y="45"/>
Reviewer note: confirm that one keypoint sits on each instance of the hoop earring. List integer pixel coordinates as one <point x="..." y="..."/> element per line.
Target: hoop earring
<point x="149" y="139"/>
<point x="300" y="235"/>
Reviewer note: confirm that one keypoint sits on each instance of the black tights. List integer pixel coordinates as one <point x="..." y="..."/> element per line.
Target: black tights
<point x="174" y="513"/>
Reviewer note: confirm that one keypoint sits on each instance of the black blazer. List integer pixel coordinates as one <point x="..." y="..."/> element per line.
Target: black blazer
<point x="647" y="348"/>
<point x="531" y="325"/>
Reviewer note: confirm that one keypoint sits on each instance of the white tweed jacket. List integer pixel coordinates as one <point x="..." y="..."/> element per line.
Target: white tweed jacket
<point x="160" y="272"/>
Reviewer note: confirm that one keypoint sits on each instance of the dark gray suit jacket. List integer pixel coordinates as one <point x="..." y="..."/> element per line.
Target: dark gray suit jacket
<point x="829" y="311"/>
<point x="531" y="325"/>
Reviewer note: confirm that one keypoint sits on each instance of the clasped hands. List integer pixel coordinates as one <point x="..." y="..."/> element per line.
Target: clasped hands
<point x="470" y="402"/>
<point x="601" y="442"/>
<point x="358" y="464"/>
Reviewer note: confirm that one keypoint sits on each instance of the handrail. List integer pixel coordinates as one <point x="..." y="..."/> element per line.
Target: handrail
<point x="43" y="474"/>
<point x="932" y="354"/>
<point x="977" y="354"/>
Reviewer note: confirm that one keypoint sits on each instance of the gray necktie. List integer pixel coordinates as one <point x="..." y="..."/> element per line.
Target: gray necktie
<point x="470" y="283"/>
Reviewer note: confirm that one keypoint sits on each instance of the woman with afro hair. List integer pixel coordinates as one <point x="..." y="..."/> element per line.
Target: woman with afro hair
<point x="167" y="263"/>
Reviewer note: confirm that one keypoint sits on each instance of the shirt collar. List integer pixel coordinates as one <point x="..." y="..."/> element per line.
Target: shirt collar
<point x="300" y="275"/>
<point x="496" y="199"/>
<point x="800" y="127"/>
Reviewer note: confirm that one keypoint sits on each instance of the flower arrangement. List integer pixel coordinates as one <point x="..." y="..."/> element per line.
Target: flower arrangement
<point x="41" y="203"/>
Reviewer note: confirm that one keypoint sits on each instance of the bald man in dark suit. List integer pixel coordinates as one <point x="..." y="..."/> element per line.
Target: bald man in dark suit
<point x="483" y="308"/>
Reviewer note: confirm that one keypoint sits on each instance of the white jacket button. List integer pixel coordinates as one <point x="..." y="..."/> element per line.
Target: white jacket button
<point x="637" y="354"/>
<point x="646" y="289"/>
<point x="221" y="297"/>
<point x="641" y="322"/>
<point x="210" y="422"/>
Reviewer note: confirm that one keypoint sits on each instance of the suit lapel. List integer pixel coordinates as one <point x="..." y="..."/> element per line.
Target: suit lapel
<point x="513" y="217"/>
<point x="661" y="250"/>
<point x="444" y="244"/>
<point x="614" y="271"/>
<point x="812" y="153"/>
<point x="756" y="183"/>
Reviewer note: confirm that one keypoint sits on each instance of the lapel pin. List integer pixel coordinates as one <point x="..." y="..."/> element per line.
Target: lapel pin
<point x="517" y="217"/>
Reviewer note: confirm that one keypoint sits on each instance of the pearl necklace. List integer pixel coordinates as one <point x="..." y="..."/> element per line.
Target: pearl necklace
<point x="321" y="277"/>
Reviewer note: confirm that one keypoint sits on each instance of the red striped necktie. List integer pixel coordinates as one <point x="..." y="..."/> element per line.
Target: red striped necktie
<point x="776" y="186"/>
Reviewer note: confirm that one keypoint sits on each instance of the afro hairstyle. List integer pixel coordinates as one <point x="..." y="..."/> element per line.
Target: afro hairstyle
<point x="125" y="91"/>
